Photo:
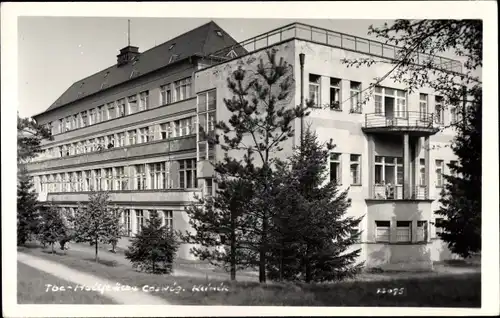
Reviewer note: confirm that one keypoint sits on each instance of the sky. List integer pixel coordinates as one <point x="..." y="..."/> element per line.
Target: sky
<point x="55" y="52"/>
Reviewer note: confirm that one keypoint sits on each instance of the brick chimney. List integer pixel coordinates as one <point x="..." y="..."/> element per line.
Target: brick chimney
<point x="127" y="54"/>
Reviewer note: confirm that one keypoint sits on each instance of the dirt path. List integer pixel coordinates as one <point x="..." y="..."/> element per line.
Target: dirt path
<point x="82" y="280"/>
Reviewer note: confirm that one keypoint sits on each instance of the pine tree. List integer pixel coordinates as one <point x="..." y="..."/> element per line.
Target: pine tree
<point x="261" y="120"/>
<point x="95" y="222"/>
<point x="154" y="247"/>
<point x="29" y="138"/>
<point x="461" y="198"/>
<point x="52" y="227"/>
<point x="314" y="229"/>
<point x="28" y="216"/>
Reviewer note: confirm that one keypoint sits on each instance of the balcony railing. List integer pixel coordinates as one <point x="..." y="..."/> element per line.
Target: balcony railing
<point x="403" y="119"/>
<point x="331" y="38"/>
<point x="395" y="192"/>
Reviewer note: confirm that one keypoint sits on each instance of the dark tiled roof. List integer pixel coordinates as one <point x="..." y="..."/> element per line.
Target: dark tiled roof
<point x="201" y="41"/>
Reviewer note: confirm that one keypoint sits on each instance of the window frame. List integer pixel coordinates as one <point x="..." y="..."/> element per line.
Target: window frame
<point x="358" y="163"/>
<point x="379" y="226"/>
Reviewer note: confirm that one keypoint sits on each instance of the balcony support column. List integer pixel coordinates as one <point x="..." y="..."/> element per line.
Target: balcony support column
<point x="371" y="166"/>
<point x="406" y="167"/>
<point x="427" y="150"/>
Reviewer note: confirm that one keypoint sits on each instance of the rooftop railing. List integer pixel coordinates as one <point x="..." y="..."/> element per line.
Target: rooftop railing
<point x="331" y="38"/>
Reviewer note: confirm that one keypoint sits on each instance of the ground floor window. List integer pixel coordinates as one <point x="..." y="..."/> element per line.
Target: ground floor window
<point x="403" y="229"/>
<point x="422" y="231"/>
<point x="127" y="226"/>
<point x="139" y="215"/>
<point x="382" y="231"/>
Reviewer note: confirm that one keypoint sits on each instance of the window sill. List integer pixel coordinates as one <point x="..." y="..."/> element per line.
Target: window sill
<point x="356" y="185"/>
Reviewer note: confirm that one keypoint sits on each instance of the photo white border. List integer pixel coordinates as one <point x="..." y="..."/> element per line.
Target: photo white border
<point x="485" y="10"/>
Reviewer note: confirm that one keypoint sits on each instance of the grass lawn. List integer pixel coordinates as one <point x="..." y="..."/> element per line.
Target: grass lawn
<point x="32" y="289"/>
<point x="434" y="291"/>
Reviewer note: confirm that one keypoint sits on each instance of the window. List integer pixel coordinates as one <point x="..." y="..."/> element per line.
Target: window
<point x="158" y="176"/>
<point x="132" y="137"/>
<point x="139" y="215"/>
<point x="335" y="171"/>
<point x="167" y="219"/>
<point x="403" y="231"/>
<point x="182" y="89"/>
<point x="84" y="119"/>
<point x="206" y="119"/>
<point x="422" y="172"/>
<point x="140" y="177"/>
<point x="382" y="231"/>
<point x="132" y="104"/>
<point x="121" y="107"/>
<point x="75" y="122"/>
<point x="423" y="106"/>
<point x="439" y="226"/>
<point x="98" y="180"/>
<point x="111" y="110"/>
<point x="388" y="170"/>
<point x="439" y="110"/>
<point x="356" y="169"/>
<point x="165" y="131"/>
<point x="102" y="114"/>
<point x="108" y="176"/>
<point x="127" y="226"/>
<point x="61" y="125"/>
<point x="87" y="181"/>
<point x="335" y="93"/>
<point x="144" y="100"/>
<point x="92" y="116"/>
<point x="390" y="102"/>
<point x="187" y="174"/>
<point x="121" y="179"/>
<point x="439" y="173"/>
<point x="422" y="231"/>
<point x="166" y="94"/>
<point x="356" y="97"/>
<point x="314" y="89"/>
<point x="111" y="141"/>
<point x="120" y="139"/>
<point x="209" y="187"/>
<point x="453" y="115"/>
<point x="145" y="135"/>
<point x="67" y="123"/>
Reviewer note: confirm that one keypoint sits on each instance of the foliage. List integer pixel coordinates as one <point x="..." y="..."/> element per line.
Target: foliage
<point x="52" y="227"/>
<point x="312" y="233"/>
<point x="28" y="216"/>
<point x="221" y="228"/>
<point x="96" y="221"/>
<point x="461" y="200"/>
<point x="29" y="138"/>
<point x="153" y="249"/>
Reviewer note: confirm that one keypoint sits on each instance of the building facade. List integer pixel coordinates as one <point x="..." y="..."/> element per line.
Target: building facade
<point x="134" y="130"/>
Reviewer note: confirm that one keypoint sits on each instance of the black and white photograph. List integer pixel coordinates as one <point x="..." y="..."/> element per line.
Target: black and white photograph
<point x="250" y="158"/>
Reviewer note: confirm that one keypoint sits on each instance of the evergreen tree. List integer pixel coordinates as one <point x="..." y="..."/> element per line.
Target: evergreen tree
<point x="221" y="227"/>
<point x="461" y="198"/>
<point x="29" y="138"/>
<point x="28" y="216"/>
<point x="314" y="228"/>
<point x="95" y="221"/>
<point x="154" y="247"/>
<point x="52" y="227"/>
<point x="261" y="120"/>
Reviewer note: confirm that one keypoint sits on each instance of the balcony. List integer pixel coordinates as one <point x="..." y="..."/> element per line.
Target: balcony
<point x="395" y="192"/>
<point x="141" y="197"/>
<point x="155" y="148"/>
<point x="415" y="123"/>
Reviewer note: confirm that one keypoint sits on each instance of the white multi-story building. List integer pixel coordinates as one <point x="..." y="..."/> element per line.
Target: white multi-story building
<point x="133" y="129"/>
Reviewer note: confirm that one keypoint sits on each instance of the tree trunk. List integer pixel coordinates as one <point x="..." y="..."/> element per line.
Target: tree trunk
<point x="308" y="265"/>
<point x="52" y="245"/>
<point x="262" y="261"/>
<point x="96" y="251"/>
<point x="233" y="249"/>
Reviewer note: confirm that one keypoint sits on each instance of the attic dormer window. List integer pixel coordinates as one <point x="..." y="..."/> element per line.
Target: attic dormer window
<point x="173" y="58"/>
<point x="106" y="75"/>
<point x="171" y="46"/>
<point x="219" y="33"/>
<point x="81" y="85"/>
<point x="134" y="73"/>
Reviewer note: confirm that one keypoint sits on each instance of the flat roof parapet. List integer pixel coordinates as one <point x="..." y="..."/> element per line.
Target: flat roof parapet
<point x="332" y="38"/>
